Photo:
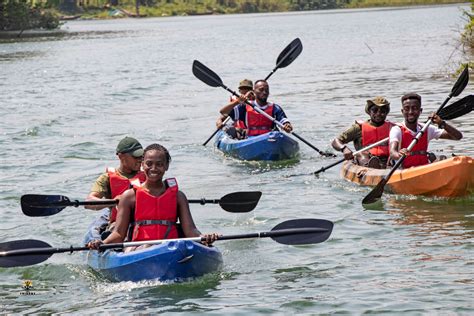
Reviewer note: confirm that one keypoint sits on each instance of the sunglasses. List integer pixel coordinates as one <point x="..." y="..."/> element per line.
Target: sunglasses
<point x="375" y="109"/>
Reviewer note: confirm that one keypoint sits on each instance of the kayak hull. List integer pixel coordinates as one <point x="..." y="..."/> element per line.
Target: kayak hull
<point x="271" y="146"/>
<point x="169" y="261"/>
<point x="452" y="177"/>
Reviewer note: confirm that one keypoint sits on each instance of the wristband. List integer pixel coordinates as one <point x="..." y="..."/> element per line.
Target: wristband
<point x="442" y="125"/>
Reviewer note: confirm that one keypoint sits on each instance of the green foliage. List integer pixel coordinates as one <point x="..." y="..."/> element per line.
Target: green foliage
<point x="467" y="39"/>
<point x="22" y="15"/>
<point x="386" y="3"/>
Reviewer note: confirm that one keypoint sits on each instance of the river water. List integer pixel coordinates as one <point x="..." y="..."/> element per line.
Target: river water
<point x="67" y="100"/>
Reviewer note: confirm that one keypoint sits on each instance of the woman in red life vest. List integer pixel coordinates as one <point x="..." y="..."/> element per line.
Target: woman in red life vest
<point x="403" y="134"/>
<point x="365" y="133"/>
<point x="156" y="206"/>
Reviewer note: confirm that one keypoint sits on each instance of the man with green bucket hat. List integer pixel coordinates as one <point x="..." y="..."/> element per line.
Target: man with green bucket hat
<point x="365" y="133"/>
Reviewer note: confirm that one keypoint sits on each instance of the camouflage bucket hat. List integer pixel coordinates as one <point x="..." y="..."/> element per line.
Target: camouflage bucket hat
<point x="377" y="101"/>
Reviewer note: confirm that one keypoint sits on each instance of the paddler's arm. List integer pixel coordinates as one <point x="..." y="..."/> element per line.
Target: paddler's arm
<point x="124" y="209"/>
<point x="226" y="109"/>
<point x="449" y="131"/>
<point x="185" y="217"/>
<point x="395" y="139"/>
<point x="187" y="222"/>
<point x="100" y="190"/>
<point x="338" y="145"/>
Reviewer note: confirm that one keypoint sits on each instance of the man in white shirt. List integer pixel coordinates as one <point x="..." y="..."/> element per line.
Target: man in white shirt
<point x="401" y="135"/>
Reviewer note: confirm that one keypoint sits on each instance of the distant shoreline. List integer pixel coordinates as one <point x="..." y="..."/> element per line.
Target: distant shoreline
<point x="128" y="11"/>
<point x="32" y="33"/>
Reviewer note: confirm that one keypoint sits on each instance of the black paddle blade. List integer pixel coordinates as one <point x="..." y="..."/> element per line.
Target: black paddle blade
<point x="206" y="75"/>
<point x="7" y="261"/>
<point x="290" y="53"/>
<point x="461" y="83"/>
<point x="458" y="108"/>
<point x="240" y="202"/>
<point x="43" y="205"/>
<point x="376" y="193"/>
<point x="303" y="231"/>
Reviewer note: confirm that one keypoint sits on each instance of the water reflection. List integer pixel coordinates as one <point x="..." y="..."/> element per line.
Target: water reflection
<point x="454" y="217"/>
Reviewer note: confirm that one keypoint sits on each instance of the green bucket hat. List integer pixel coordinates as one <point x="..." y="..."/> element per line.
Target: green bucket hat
<point x="377" y="101"/>
<point x="130" y="145"/>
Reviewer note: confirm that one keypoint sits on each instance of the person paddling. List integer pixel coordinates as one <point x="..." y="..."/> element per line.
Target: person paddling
<point x="256" y="123"/>
<point x="113" y="182"/>
<point x="238" y="129"/>
<point x="152" y="211"/>
<point x="365" y="133"/>
<point x="402" y="134"/>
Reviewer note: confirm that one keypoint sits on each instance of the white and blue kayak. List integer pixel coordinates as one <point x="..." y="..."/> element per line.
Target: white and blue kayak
<point x="169" y="261"/>
<point x="174" y="260"/>
<point x="272" y="146"/>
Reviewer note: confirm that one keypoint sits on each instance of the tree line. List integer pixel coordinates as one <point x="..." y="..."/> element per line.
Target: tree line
<point x="27" y="14"/>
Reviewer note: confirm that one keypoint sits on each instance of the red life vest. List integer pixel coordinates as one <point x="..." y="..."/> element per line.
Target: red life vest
<point x="258" y="124"/>
<point x="156" y="216"/>
<point x="119" y="184"/>
<point x="238" y="123"/>
<point x="418" y="155"/>
<point x="372" y="134"/>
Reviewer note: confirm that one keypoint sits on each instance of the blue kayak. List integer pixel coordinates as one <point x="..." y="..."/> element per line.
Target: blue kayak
<point x="174" y="260"/>
<point x="169" y="261"/>
<point x="270" y="146"/>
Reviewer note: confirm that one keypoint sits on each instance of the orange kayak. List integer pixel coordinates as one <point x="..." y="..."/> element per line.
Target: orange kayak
<point x="451" y="177"/>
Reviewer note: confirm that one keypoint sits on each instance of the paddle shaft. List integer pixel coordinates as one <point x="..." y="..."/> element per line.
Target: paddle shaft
<point x="215" y="132"/>
<point x="77" y="203"/>
<point x="273" y="233"/>
<point x="52" y="250"/>
<point x="380" y="142"/>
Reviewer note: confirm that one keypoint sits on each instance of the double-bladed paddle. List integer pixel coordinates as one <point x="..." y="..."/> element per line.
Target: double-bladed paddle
<point x="286" y="57"/>
<point x="28" y="252"/>
<point x="210" y="78"/>
<point x="377" y="192"/>
<point x="452" y="111"/>
<point x="46" y="205"/>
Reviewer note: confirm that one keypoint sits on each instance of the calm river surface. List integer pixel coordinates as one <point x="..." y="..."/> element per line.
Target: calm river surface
<point x="66" y="101"/>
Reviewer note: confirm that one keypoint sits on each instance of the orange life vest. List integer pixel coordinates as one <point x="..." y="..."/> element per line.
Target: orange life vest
<point x="258" y="124"/>
<point x="238" y="123"/>
<point x="119" y="184"/>
<point x="156" y="216"/>
<point x="372" y="134"/>
<point x="418" y="155"/>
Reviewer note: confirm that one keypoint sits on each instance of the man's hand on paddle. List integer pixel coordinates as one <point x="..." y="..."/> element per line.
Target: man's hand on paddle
<point x="287" y="127"/>
<point x="94" y="244"/>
